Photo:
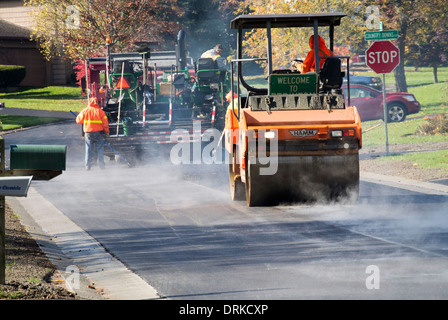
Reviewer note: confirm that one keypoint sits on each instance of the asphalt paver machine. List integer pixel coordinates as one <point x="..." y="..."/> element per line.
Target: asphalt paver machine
<point x="295" y="140"/>
<point x="152" y="98"/>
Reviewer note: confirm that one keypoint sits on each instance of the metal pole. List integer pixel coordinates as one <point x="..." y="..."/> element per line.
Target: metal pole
<point x="385" y="114"/>
<point x="2" y="219"/>
<point x="144" y="89"/>
<point x="155" y="82"/>
<point x="316" y="46"/>
<point x="232" y="83"/>
<point x="269" y="46"/>
<point x="108" y="66"/>
<point x="120" y="97"/>
<point x="331" y="31"/>
<point x="2" y="241"/>
<point x="86" y="64"/>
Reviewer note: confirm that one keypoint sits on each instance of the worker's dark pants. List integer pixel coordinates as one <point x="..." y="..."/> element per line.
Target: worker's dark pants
<point x="94" y="142"/>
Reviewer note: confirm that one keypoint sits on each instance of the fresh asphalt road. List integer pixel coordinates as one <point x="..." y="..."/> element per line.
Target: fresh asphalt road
<point x="176" y="227"/>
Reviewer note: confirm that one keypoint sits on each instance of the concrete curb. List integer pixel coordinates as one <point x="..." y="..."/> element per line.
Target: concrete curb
<point x="412" y="185"/>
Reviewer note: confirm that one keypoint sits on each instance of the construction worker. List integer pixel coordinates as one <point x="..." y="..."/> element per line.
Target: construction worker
<point x="308" y="65"/>
<point x="215" y="54"/>
<point x="95" y="125"/>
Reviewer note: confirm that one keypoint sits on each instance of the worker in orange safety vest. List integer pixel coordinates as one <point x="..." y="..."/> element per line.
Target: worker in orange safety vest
<point x="95" y="126"/>
<point x="308" y="65"/>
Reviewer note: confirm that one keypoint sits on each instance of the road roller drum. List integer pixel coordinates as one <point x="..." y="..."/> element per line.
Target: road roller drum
<point x="296" y="140"/>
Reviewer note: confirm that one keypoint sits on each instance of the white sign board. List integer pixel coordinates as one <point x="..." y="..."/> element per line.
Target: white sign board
<point x="15" y="186"/>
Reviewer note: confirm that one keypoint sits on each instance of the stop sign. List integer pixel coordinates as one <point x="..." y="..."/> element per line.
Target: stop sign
<point x="382" y="56"/>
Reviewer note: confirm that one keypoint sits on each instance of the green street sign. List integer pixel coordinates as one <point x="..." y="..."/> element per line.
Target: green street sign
<point x="293" y="83"/>
<point x="381" y="35"/>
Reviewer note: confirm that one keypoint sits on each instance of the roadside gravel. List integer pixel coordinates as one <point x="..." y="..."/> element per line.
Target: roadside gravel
<point x="29" y="272"/>
<point x="370" y="161"/>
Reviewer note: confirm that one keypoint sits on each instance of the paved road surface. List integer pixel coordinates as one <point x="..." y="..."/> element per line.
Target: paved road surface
<point x="176" y="230"/>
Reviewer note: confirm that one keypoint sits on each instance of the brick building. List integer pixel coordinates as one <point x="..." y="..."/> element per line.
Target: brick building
<point x="16" y="48"/>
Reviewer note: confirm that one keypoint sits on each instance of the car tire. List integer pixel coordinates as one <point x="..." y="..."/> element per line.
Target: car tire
<point x="396" y="112"/>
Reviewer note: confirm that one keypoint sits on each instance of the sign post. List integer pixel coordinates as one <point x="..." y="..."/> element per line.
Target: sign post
<point x="9" y="186"/>
<point x="2" y="218"/>
<point x="383" y="57"/>
<point x="386" y="120"/>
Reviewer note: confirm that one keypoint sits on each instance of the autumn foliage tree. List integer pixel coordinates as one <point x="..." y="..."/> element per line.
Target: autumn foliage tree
<point x="427" y="43"/>
<point x="423" y="36"/>
<point x="422" y="26"/>
<point x="79" y="28"/>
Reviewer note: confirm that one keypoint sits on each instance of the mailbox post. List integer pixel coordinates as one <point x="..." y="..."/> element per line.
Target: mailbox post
<point x="2" y="217"/>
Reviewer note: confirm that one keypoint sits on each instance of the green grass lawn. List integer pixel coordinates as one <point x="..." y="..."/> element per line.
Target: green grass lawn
<point x="398" y="133"/>
<point x="433" y="98"/>
<point x="15" y="122"/>
<point x="422" y="76"/>
<point x="48" y="98"/>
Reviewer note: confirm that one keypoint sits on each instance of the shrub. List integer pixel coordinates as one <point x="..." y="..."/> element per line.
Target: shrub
<point x="11" y="76"/>
<point x="437" y="124"/>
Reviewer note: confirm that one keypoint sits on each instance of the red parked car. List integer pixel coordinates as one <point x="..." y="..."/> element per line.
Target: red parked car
<point x="369" y="103"/>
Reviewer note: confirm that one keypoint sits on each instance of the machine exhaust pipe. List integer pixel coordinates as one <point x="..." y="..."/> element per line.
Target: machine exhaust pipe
<point x="181" y="51"/>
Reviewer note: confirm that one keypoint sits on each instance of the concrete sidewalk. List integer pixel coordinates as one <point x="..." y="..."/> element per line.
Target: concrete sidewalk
<point x="71" y="248"/>
<point x="404" y="183"/>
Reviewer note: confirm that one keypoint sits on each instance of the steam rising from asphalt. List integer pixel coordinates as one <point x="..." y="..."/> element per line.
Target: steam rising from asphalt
<point x="392" y="213"/>
<point x="411" y="221"/>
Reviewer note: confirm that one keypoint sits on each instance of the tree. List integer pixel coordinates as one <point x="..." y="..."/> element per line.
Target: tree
<point x="79" y="28"/>
<point x="429" y="42"/>
<point x="423" y="36"/>
<point x="399" y="16"/>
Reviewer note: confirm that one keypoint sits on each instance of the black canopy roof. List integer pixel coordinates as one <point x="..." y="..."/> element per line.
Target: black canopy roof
<point x="286" y="20"/>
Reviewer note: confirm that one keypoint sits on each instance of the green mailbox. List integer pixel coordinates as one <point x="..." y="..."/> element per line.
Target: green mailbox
<point x="42" y="161"/>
